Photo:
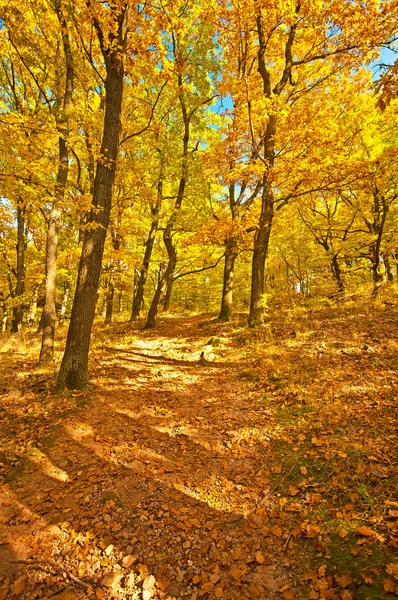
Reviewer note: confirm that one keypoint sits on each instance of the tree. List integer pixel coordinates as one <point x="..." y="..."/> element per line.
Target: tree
<point x="74" y="368"/>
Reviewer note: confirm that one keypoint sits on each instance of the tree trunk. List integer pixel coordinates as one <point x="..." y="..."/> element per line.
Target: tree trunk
<point x="381" y="207"/>
<point x="65" y="301"/>
<point x="54" y="220"/>
<point x="387" y="265"/>
<point x="228" y="283"/>
<point x="167" y="297"/>
<point x="165" y="279"/>
<point x="49" y="311"/>
<point x="155" y="210"/>
<point x="110" y="293"/>
<point x="33" y="306"/>
<point x="336" y="272"/>
<point x="260" y="249"/>
<point x="74" y="368"/>
<point x="17" y="311"/>
<point x="4" y="318"/>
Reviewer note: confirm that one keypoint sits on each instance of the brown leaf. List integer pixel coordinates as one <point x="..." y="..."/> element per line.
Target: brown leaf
<point x="344" y="580"/>
<point x="389" y="586"/>
<point x="392" y="569"/>
<point x="260" y="557"/>
<point x="367" y="578"/>
<point x="343" y="533"/>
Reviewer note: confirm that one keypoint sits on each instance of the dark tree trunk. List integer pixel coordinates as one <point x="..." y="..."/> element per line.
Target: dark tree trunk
<point x="167" y="296"/>
<point x="17" y="311"/>
<point x="110" y="294"/>
<point x="74" y="368"/>
<point x="155" y="210"/>
<point x="336" y="272"/>
<point x="228" y="283"/>
<point x="260" y="249"/>
<point x="54" y="220"/>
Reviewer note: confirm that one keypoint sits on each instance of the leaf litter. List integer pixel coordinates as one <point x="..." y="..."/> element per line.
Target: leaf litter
<point x="259" y="466"/>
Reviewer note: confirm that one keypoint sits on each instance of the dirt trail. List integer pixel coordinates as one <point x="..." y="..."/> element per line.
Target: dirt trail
<point x="154" y="484"/>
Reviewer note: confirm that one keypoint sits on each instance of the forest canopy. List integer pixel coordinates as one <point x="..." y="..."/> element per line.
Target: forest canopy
<point x="200" y="156"/>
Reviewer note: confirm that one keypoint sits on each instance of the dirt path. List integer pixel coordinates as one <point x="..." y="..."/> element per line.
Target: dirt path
<point x="152" y="485"/>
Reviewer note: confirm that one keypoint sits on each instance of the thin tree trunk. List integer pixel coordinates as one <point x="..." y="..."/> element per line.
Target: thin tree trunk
<point x="336" y="272"/>
<point x="74" y="368"/>
<point x="166" y="277"/>
<point x="17" y="311"/>
<point x="54" y="220"/>
<point x="387" y="265"/>
<point x="376" y="247"/>
<point x="110" y="293"/>
<point x="155" y="210"/>
<point x="65" y="301"/>
<point x="33" y="306"/>
<point x="4" y="317"/>
<point x="228" y="283"/>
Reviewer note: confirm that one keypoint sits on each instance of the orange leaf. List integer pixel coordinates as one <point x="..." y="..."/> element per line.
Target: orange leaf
<point x="344" y="580"/>
<point x="389" y="585"/>
<point x="367" y="578"/>
<point x="366" y="531"/>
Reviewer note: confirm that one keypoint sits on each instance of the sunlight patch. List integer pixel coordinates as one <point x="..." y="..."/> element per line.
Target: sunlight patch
<point x="48" y="468"/>
<point x="79" y="431"/>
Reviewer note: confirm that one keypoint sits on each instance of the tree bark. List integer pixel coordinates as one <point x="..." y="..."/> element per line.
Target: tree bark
<point x="54" y="219"/>
<point x="231" y="254"/>
<point x="387" y="265"/>
<point x="17" y="311"/>
<point x="110" y="293"/>
<point x="260" y="250"/>
<point x="167" y="296"/>
<point x="74" y="368"/>
<point x="155" y="210"/>
<point x="336" y="272"/>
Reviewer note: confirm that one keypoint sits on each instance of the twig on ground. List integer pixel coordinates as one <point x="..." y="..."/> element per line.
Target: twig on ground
<point x="64" y="570"/>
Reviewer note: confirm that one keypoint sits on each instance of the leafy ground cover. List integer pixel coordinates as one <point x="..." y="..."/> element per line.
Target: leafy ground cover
<point x="206" y="460"/>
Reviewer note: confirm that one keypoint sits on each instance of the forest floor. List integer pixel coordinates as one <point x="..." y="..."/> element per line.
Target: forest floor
<point x="266" y="469"/>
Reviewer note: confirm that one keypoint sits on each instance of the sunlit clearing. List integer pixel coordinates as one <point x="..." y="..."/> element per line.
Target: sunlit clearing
<point x="47" y="466"/>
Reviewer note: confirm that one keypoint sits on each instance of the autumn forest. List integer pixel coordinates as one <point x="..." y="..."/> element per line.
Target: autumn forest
<point x="198" y="296"/>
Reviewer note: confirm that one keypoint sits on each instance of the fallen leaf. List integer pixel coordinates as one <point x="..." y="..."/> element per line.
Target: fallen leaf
<point x="392" y="569"/>
<point x="344" y="580"/>
<point x="367" y="579"/>
<point x="366" y="531"/>
<point x="389" y="586"/>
